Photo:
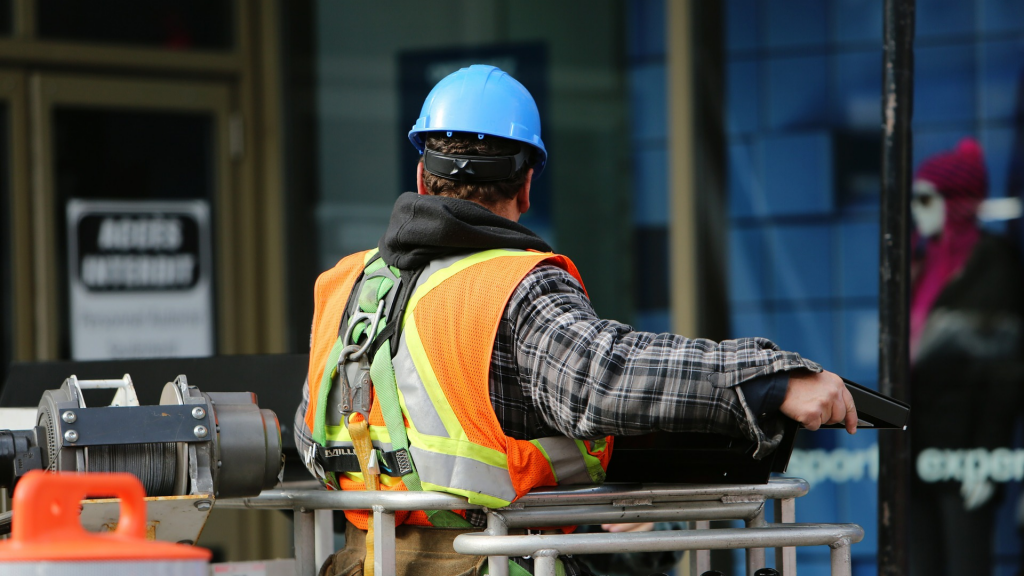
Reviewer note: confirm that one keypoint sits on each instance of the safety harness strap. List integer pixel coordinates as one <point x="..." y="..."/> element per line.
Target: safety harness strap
<point x="396" y="463"/>
<point x="382" y="373"/>
<point x="378" y="286"/>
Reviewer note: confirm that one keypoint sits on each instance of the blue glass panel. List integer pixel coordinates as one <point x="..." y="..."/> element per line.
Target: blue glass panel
<point x="944" y="84"/>
<point x="797" y="92"/>
<point x="650" y="186"/>
<point x="1001" y="16"/>
<point x="646" y="21"/>
<point x="743" y="96"/>
<point x="860" y="344"/>
<point x="746" y="265"/>
<point x="750" y="324"/>
<point x="801" y="261"/>
<point x="741" y="25"/>
<point x="858" y="259"/>
<point x="654" y="321"/>
<point x="795" y="23"/>
<point x="1002" y="78"/>
<point x="854" y="469"/>
<point x="858" y="95"/>
<point x="746" y="184"/>
<point x="936" y="18"/>
<point x="647" y="101"/>
<point x="866" y="565"/>
<point x="819" y="505"/>
<point x="811" y="560"/>
<point x="998" y="146"/>
<point x="798" y="173"/>
<point x="857" y="21"/>
<point x="808" y="332"/>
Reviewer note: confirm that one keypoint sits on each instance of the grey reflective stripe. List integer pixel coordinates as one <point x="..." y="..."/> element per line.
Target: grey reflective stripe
<point x="436" y="266"/>
<point x="421" y="410"/>
<point x="463" y="474"/>
<point x="566" y="460"/>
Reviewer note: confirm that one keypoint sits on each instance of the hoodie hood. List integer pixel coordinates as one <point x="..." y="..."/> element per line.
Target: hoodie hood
<point x="424" y="228"/>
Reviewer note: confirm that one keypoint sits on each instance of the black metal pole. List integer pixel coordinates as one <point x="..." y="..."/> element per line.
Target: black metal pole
<point x="894" y="284"/>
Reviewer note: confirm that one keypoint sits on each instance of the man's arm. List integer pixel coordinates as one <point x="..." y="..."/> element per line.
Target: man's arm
<point x="590" y="377"/>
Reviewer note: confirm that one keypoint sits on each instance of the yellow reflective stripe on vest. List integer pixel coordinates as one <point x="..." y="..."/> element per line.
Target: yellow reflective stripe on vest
<point x="565" y="458"/>
<point x="442" y="275"/>
<point x="445" y="459"/>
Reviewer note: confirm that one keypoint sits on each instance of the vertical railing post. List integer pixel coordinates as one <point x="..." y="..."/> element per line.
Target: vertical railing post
<point x="383" y="542"/>
<point x="839" y="553"/>
<point x="755" y="556"/>
<point x="544" y="563"/>
<point x="304" y="530"/>
<point x="497" y="565"/>
<point x="785" y="556"/>
<point x="894" y="282"/>
<point x="700" y="560"/>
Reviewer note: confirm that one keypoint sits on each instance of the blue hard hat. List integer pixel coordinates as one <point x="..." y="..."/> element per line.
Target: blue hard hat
<point x="482" y="100"/>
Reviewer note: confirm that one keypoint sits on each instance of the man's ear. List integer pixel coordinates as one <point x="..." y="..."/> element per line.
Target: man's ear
<point x="420" y="186"/>
<point x="523" y="198"/>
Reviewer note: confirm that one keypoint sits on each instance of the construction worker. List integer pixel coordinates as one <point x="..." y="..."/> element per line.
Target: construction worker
<point x="463" y="356"/>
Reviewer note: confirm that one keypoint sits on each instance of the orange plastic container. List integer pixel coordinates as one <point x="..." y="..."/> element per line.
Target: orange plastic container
<point x="48" y="539"/>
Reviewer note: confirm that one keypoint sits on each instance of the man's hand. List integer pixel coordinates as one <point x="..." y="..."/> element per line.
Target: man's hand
<point x="633" y="527"/>
<point x="817" y="399"/>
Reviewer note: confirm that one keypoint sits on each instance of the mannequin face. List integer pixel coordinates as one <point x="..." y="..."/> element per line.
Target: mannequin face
<point x="928" y="209"/>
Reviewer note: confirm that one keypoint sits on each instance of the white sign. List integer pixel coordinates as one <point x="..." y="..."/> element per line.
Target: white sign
<point x="139" y="279"/>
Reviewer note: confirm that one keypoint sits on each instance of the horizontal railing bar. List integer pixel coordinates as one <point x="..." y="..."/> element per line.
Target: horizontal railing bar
<point x="606" y="514"/>
<point x="614" y="494"/>
<point x="347" y="500"/>
<point x="563" y="495"/>
<point x="774" y="535"/>
<point x="606" y="494"/>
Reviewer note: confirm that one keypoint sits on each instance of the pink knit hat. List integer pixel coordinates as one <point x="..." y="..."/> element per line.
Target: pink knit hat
<point x="961" y="178"/>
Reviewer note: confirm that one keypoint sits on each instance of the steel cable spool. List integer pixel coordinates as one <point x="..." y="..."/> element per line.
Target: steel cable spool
<point x="218" y="444"/>
<point x="155" y="465"/>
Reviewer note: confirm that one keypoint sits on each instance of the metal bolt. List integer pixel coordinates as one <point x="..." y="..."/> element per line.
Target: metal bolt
<point x="69" y="417"/>
<point x="71" y="436"/>
<point x="198" y="413"/>
<point x="203" y="505"/>
<point x="200" y="431"/>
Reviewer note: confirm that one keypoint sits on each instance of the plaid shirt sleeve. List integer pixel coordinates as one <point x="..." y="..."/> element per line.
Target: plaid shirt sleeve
<point x="587" y="377"/>
<point x="558" y="369"/>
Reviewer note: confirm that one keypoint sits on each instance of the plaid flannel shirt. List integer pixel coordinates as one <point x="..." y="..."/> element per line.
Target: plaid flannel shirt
<point x="559" y="369"/>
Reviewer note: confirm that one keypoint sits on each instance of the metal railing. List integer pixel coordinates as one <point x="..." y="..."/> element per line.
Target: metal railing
<point x="608" y="504"/>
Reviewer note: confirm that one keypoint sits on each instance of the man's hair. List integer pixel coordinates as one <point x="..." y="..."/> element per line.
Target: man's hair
<point x="486" y="193"/>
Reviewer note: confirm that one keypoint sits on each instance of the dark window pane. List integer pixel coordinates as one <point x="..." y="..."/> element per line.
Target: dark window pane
<point x="115" y="154"/>
<point x="168" y="24"/>
<point x="106" y="154"/>
<point x="6" y="278"/>
<point x="6" y="17"/>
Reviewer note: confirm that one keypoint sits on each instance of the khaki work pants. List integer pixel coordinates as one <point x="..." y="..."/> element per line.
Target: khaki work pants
<point x="419" y="551"/>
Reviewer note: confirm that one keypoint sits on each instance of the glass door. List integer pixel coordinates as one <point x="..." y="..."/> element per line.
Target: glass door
<point x="133" y="153"/>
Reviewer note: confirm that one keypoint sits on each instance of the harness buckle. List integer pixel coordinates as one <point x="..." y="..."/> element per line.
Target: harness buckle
<point x="357" y="396"/>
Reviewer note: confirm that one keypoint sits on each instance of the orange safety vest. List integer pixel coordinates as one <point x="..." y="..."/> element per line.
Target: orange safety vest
<point x="443" y="368"/>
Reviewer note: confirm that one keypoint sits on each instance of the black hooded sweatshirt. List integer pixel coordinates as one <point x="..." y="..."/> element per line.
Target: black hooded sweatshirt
<point x="424" y="228"/>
